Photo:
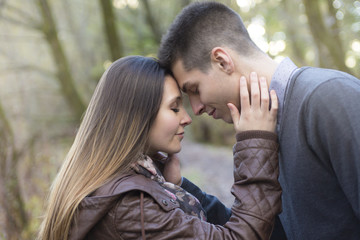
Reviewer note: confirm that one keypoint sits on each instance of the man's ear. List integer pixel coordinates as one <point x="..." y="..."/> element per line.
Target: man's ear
<point x="222" y="59"/>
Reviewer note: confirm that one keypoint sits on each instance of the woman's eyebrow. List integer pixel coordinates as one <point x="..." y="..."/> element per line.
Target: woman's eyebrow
<point x="175" y="99"/>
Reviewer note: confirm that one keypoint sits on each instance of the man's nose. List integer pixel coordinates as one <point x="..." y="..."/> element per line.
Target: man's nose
<point x="197" y="106"/>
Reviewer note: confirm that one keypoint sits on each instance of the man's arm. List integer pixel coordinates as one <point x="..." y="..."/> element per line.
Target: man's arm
<point x="217" y="212"/>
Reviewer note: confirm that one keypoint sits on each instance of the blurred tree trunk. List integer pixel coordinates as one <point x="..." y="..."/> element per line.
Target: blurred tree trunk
<point x="113" y="39"/>
<point x="290" y="13"/>
<point x="79" y="38"/>
<point x="324" y="36"/>
<point x="64" y="75"/>
<point x="184" y="3"/>
<point x="334" y="30"/>
<point x="155" y="27"/>
<point x="10" y="196"/>
<point x="86" y="56"/>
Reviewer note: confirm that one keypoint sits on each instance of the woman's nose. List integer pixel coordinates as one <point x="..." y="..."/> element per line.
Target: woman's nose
<point x="186" y="120"/>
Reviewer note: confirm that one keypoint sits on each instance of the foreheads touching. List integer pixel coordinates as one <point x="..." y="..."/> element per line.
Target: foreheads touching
<point x="198" y="29"/>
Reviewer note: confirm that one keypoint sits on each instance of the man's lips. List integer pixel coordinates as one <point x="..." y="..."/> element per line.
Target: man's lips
<point x="212" y="112"/>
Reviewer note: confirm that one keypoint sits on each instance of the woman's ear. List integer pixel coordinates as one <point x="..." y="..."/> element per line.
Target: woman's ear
<point x="222" y="60"/>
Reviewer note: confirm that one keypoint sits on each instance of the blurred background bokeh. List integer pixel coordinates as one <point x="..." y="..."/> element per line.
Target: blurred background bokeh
<point x="53" y="52"/>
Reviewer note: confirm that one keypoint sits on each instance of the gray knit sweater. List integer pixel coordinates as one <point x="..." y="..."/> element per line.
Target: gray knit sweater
<point x="320" y="155"/>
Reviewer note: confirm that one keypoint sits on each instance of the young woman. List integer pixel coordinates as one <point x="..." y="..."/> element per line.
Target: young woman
<point x="109" y="187"/>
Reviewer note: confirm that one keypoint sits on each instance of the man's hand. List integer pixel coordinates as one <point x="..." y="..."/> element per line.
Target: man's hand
<point x="255" y="116"/>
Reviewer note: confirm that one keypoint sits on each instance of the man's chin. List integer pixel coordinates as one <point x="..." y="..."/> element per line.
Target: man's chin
<point x="227" y="119"/>
<point x="230" y="121"/>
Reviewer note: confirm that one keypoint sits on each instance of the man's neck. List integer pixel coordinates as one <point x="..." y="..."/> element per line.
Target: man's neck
<point x="262" y="64"/>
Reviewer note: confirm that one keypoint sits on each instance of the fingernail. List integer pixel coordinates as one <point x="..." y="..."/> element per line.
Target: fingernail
<point x="242" y="80"/>
<point x="229" y="107"/>
<point x="253" y="74"/>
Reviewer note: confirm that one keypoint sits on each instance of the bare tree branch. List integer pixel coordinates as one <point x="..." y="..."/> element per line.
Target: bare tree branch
<point x="21" y="13"/>
<point x="289" y="13"/>
<point x="184" y="3"/>
<point x="334" y="26"/>
<point x="323" y="36"/>
<point x="11" y="199"/>
<point x="152" y="21"/>
<point x="2" y="4"/>
<point x="18" y="22"/>
<point x="41" y="70"/>
<point x="113" y="39"/>
<point x="21" y="17"/>
<point x="64" y="75"/>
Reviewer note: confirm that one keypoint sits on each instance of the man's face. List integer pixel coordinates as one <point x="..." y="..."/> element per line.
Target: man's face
<point x="208" y="92"/>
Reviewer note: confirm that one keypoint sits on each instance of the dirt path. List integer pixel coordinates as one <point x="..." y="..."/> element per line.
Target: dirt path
<point x="209" y="167"/>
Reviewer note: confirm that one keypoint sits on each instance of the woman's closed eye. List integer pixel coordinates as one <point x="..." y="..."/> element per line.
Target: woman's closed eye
<point x="176" y="104"/>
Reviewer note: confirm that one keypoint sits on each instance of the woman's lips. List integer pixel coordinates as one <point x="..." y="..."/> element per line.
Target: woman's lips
<point x="181" y="135"/>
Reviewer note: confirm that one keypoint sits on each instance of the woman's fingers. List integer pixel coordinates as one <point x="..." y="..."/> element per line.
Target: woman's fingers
<point x="255" y="115"/>
<point x="255" y="92"/>
<point x="235" y="115"/>
<point x="264" y="94"/>
<point x="244" y="95"/>
<point x="274" y="104"/>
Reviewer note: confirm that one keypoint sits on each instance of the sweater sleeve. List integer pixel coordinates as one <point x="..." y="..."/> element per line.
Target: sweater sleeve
<point x="333" y="133"/>
<point x="257" y="201"/>
<point x="216" y="211"/>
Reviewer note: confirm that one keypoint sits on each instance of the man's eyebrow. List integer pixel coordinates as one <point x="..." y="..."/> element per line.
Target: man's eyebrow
<point x="185" y="87"/>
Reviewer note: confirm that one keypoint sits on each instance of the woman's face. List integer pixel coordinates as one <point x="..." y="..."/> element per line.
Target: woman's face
<point x="167" y="130"/>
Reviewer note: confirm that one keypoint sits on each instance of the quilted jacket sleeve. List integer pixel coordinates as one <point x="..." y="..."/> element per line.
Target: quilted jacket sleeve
<point x="257" y="200"/>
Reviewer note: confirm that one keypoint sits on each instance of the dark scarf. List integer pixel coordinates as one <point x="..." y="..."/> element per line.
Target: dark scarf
<point x="188" y="203"/>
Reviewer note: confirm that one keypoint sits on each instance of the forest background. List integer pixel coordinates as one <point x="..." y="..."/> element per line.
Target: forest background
<point x="53" y="52"/>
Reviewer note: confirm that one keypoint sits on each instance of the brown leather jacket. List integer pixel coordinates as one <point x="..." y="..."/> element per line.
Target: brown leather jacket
<point x="121" y="210"/>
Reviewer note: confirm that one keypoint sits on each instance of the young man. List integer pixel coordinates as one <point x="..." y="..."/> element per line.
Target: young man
<point x="209" y="49"/>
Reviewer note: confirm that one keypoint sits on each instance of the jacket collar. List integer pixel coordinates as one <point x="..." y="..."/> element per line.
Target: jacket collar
<point x="94" y="207"/>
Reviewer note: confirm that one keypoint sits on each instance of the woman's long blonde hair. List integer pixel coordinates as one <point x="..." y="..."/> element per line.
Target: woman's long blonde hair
<point x="113" y="132"/>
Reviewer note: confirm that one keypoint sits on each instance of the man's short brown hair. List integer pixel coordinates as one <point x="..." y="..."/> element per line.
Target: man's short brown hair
<point x="197" y="30"/>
